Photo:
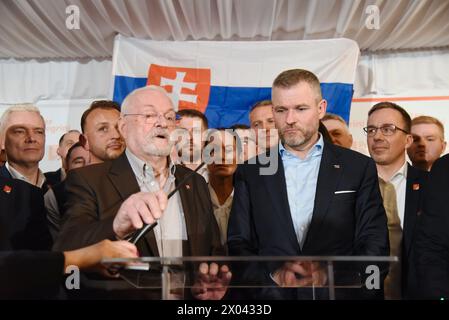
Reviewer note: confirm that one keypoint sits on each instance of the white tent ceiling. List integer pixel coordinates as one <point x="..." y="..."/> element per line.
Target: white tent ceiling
<point x="37" y="28"/>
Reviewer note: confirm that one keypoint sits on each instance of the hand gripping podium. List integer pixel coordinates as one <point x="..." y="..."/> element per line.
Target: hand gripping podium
<point x="259" y="277"/>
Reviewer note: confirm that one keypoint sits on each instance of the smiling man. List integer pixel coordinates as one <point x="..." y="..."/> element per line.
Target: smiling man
<point x="22" y="128"/>
<point x="388" y="137"/>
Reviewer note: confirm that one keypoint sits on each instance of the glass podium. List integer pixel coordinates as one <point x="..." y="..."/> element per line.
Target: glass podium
<point x="258" y="277"/>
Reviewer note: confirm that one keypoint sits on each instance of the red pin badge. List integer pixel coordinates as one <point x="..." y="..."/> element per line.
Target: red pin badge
<point x="7" y="189"/>
<point x="188" y="186"/>
<point x="415" y="186"/>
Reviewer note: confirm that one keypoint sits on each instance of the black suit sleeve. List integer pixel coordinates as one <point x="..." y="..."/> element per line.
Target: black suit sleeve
<point x="371" y="234"/>
<point x="26" y="274"/>
<point x="432" y="238"/>
<point x="82" y="225"/>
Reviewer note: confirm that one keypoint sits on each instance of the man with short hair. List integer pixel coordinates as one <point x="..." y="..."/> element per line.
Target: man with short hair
<point x="322" y="200"/>
<point x="65" y="142"/>
<point x="196" y="124"/>
<point x="99" y="127"/>
<point x="22" y="129"/>
<point x="262" y="121"/>
<point x="338" y="130"/>
<point x="388" y="137"/>
<point x="428" y="142"/>
<point x="114" y="199"/>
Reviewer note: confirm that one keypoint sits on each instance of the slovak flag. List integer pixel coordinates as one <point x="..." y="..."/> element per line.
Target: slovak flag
<point x="224" y="79"/>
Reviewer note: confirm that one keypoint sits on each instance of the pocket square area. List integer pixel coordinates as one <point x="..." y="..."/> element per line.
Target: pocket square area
<point x="344" y="191"/>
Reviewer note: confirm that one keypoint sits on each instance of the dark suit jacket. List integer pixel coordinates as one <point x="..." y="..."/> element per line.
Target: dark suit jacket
<point x="53" y="177"/>
<point x="23" y="219"/>
<point x="432" y="238"/>
<point x="30" y="275"/>
<point x="416" y="183"/>
<point x="342" y="224"/>
<point x="6" y="174"/>
<point x="96" y="192"/>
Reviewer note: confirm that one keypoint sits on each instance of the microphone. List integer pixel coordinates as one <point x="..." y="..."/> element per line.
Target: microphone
<point x="138" y="234"/>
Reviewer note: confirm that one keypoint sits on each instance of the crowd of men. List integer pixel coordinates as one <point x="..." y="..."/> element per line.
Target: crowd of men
<point x="208" y="192"/>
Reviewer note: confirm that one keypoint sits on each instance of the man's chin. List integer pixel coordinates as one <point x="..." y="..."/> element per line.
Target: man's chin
<point x="111" y="155"/>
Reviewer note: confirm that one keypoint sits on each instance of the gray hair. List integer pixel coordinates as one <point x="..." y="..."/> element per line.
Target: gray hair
<point x="15" y="108"/>
<point x="127" y="102"/>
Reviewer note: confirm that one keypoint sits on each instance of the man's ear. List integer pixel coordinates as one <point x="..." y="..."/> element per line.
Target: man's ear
<point x="121" y="124"/>
<point x="322" y="107"/>
<point x="58" y="152"/>
<point x="84" y="142"/>
<point x="409" y="141"/>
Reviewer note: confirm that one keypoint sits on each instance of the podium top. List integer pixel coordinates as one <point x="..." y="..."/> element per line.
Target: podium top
<point x="169" y="260"/>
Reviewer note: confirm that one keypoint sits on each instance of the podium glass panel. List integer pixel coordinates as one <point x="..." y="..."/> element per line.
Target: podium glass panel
<point x="257" y="277"/>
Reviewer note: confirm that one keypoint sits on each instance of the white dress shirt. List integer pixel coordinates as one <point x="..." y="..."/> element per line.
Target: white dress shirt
<point x="17" y="175"/>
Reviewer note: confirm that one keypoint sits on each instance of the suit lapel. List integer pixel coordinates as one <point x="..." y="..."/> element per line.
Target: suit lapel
<point x="4" y="172"/>
<point x="279" y="199"/>
<point x="124" y="181"/>
<point x="188" y="205"/>
<point x="412" y="197"/>
<point x="328" y="177"/>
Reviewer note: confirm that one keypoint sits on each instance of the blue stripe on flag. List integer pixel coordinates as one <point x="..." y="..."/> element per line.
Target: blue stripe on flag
<point x="124" y="85"/>
<point x="230" y="105"/>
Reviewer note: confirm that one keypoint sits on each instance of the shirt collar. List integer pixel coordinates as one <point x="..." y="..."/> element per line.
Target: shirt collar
<point x="214" y="198"/>
<point x="142" y="169"/>
<point x="17" y="175"/>
<point x="316" y="150"/>
<point x="402" y="172"/>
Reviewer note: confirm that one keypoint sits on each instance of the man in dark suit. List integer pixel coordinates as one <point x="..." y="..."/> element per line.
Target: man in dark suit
<point x="321" y="200"/>
<point x="112" y="200"/>
<point x="432" y="238"/>
<point x="23" y="222"/>
<point x="388" y="137"/>
<point x="22" y="129"/>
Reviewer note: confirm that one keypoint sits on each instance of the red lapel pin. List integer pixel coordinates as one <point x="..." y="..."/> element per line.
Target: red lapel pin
<point x="7" y="189"/>
<point x="415" y="186"/>
<point x="188" y="186"/>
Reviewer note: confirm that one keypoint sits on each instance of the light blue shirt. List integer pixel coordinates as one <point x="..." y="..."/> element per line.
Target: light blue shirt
<point x="301" y="177"/>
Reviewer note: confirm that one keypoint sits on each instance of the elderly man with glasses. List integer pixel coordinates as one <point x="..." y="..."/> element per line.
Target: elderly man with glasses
<point x="114" y="199"/>
<point x="388" y="137"/>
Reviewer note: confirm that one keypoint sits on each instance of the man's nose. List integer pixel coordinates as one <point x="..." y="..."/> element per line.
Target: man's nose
<point x="31" y="136"/>
<point x="290" y="117"/>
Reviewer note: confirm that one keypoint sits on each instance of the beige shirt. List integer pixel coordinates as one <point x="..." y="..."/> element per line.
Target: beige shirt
<point x="17" y="175"/>
<point x="221" y="212"/>
<point x="171" y="229"/>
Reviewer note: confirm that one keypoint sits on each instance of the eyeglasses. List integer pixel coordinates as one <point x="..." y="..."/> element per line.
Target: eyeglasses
<point x="151" y="118"/>
<point x="386" y="129"/>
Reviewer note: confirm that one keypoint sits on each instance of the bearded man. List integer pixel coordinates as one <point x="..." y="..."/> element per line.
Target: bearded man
<point x="113" y="199"/>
